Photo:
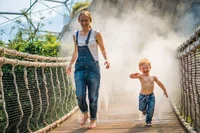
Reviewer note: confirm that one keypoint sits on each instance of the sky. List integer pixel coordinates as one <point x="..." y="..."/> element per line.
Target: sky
<point x="55" y="18"/>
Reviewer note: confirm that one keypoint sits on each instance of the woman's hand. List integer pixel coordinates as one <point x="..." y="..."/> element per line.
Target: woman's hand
<point x="69" y="69"/>
<point x="165" y="93"/>
<point x="107" y="63"/>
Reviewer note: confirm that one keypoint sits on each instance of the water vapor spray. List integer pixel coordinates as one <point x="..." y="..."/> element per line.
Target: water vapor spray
<point x="130" y="35"/>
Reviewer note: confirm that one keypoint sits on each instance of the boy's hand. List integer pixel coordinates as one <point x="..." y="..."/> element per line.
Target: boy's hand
<point x="107" y="63"/>
<point x="165" y="93"/>
<point x="134" y="75"/>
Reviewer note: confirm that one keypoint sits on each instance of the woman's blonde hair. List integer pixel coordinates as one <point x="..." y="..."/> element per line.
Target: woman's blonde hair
<point x="144" y="61"/>
<point x="86" y="13"/>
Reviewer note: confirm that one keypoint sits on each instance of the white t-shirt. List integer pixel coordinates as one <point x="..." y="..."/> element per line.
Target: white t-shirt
<point x="92" y="45"/>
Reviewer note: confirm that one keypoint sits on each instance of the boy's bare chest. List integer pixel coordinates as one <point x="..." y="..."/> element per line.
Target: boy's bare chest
<point x="147" y="80"/>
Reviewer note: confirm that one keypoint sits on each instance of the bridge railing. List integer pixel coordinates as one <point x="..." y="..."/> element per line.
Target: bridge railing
<point x="189" y="57"/>
<point x="35" y="92"/>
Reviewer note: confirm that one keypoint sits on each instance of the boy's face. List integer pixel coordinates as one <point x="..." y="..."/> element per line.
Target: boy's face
<point x="145" y="69"/>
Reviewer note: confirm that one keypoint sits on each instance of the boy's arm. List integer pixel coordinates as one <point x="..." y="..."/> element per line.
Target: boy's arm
<point x="134" y="75"/>
<point x="160" y="84"/>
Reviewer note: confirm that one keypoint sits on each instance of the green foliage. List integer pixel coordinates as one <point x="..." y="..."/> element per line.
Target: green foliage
<point x="189" y="119"/>
<point x="2" y="44"/>
<point x="79" y="6"/>
<point x="47" y="46"/>
<point x="28" y="39"/>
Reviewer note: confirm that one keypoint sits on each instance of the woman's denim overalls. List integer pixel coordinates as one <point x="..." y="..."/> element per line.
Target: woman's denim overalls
<point x="147" y="104"/>
<point x="87" y="75"/>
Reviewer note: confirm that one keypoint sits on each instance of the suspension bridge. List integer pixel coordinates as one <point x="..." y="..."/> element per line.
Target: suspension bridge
<point x="36" y="94"/>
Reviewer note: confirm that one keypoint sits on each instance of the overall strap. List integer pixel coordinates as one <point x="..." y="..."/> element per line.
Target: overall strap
<point x="88" y="37"/>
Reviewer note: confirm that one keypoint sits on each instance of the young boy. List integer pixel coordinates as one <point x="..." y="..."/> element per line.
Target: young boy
<point x="146" y="96"/>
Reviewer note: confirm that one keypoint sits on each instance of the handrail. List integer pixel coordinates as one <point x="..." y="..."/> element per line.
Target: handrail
<point x="34" y="92"/>
<point x="58" y="122"/>
<point x="31" y="56"/>
<point x="188" y="109"/>
<point x="193" y="38"/>
<point x="190" y="45"/>
<point x="4" y="60"/>
<point x="189" y="49"/>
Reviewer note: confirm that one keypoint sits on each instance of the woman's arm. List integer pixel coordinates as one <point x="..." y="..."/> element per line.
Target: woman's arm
<point x="74" y="57"/>
<point x="102" y="48"/>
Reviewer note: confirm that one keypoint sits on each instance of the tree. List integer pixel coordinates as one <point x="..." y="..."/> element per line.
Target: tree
<point x="80" y="6"/>
<point x="29" y="39"/>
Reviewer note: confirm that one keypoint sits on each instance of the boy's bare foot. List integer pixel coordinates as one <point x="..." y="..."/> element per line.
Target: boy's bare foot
<point x="92" y="124"/>
<point x="149" y="124"/>
<point x="84" y="119"/>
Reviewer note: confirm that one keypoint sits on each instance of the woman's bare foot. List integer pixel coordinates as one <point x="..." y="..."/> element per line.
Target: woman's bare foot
<point x="84" y="119"/>
<point x="92" y="124"/>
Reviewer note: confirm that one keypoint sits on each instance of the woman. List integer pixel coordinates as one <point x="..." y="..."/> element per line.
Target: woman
<point x="87" y="71"/>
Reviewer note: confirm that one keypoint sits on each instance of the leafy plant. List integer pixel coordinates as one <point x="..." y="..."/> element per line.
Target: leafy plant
<point x="2" y="44"/>
<point x="28" y="39"/>
<point x="80" y="6"/>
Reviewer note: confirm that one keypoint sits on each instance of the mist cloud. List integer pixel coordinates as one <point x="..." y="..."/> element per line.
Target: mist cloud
<point x="130" y="35"/>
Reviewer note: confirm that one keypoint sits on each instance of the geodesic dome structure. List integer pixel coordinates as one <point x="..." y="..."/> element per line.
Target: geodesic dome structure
<point x="52" y="14"/>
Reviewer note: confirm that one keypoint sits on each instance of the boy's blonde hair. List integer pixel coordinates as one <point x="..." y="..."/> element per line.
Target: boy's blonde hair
<point x="144" y="61"/>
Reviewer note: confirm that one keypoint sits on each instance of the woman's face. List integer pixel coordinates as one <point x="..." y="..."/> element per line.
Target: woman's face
<point x="84" y="21"/>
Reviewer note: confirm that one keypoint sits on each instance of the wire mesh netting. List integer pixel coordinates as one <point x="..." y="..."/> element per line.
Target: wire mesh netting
<point x="189" y="56"/>
<point x="33" y="97"/>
